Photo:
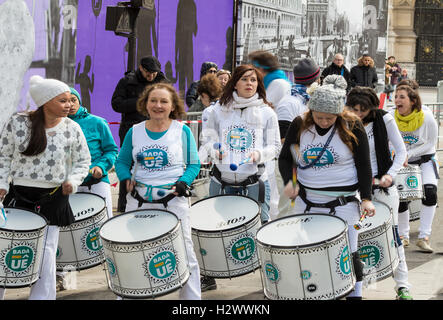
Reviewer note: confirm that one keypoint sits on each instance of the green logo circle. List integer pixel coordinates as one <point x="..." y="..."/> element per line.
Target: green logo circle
<point x="18" y="259"/>
<point x="305" y="275"/>
<point x="162" y="265"/>
<point x="111" y="266"/>
<point x="412" y="182"/>
<point x="93" y="241"/>
<point x="345" y="261"/>
<point x="271" y="272"/>
<point x="243" y="249"/>
<point x="239" y="139"/>
<point x="370" y="255"/>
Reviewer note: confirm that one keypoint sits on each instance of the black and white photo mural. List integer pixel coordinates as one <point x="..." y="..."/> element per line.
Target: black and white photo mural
<point x="294" y="29"/>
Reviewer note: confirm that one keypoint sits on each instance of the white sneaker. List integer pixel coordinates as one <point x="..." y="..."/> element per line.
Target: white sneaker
<point x="424" y="245"/>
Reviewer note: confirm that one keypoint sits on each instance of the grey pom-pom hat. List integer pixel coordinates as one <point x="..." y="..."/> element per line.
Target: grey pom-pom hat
<point x="330" y="97"/>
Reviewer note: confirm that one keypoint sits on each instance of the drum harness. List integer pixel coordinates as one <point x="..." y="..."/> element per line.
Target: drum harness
<point x="426" y="158"/>
<point x="37" y="204"/>
<point x="252" y="179"/>
<point x="164" y="200"/>
<point x="340" y="201"/>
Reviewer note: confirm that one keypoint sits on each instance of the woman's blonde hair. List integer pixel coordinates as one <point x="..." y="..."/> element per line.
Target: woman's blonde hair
<point x="178" y="111"/>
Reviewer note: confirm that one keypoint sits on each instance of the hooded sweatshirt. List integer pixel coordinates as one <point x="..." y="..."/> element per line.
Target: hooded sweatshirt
<point x="100" y="142"/>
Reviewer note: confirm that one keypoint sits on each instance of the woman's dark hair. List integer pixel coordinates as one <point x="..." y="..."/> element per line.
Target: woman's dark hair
<point x="365" y="97"/>
<point x="236" y="76"/>
<point x="210" y="85"/>
<point x="413" y="96"/>
<point x="37" y="142"/>
<point x="265" y="60"/>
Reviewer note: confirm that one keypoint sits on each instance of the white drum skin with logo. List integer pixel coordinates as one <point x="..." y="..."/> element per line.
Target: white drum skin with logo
<point x="223" y="233"/>
<point x="145" y="253"/>
<point x="305" y="257"/>
<point x="409" y="183"/>
<point x="414" y="210"/>
<point x="79" y="244"/>
<point x="22" y="242"/>
<point x="376" y="245"/>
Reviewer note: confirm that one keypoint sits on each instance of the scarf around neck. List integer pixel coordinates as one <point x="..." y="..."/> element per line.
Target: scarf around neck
<point x="273" y="75"/>
<point x="250" y="106"/>
<point x="411" y="122"/>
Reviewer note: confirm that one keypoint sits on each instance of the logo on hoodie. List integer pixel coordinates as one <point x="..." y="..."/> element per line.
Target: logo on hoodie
<point x="239" y="138"/>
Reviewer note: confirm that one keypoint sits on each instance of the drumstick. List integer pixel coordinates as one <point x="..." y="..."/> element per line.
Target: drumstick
<point x="139" y="159"/>
<point x="359" y="224"/>
<point x="234" y="167"/>
<point x="5" y="217"/>
<point x="295" y="153"/>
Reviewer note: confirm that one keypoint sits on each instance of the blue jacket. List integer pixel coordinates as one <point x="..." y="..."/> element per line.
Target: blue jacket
<point x="101" y="144"/>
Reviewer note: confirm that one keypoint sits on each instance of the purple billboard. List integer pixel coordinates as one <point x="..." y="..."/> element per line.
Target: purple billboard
<point x="71" y="44"/>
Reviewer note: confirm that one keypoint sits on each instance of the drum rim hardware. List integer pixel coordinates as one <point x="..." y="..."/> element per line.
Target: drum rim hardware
<point x="226" y="195"/>
<point x="91" y="194"/>
<point x="305" y="245"/>
<point x="138" y="241"/>
<point x="27" y="230"/>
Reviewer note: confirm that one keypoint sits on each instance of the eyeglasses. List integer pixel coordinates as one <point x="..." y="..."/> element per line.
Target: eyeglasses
<point x="212" y="71"/>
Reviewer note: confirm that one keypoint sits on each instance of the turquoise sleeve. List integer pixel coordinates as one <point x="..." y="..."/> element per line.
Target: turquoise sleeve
<point x="190" y="156"/>
<point x="123" y="163"/>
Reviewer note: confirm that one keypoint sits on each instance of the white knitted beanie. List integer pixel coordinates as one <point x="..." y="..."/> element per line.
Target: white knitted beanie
<point x="331" y="96"/>
<point x="43" y="90"/>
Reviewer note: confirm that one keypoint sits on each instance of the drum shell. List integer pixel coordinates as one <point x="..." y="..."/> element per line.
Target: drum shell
<point x="414" y="210"/>
<point x="128" y="264"/>
<point x="319" y="271"/>
<point x="377" y="250"/>
<point x="409" y="183"/>
<point x="79" y="244"/>
<point x="214" y="250"/>
<point x="33" y="239"/>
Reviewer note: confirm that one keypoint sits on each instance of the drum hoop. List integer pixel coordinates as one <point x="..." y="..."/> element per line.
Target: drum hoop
<point x="232" y="228"/>
<point x="142" y="241"/>
<point x="30" y="230"/>
<point x="93" y="194"/>
<point x="304" y="245"/>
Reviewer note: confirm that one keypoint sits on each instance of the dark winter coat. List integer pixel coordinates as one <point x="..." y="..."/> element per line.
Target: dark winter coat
<point x="191" y="94"/>
<point x="364" y="76"/>
<point x="124" y="99"/>
<point x="341" y="71"/>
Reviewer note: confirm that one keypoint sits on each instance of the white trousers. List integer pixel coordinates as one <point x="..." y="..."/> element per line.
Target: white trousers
<point x="102" y="189"/>
<point x="44" y="288"/>
<point x="427" y="212"/>
<point x="180" y="207"/>
<point x="273" y="184"/>
<point x="392" y="200"/>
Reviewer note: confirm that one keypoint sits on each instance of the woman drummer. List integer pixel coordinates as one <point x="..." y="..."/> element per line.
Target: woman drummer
<point x="333" y="164"/>
<point x="101" y="146"/>
<point x="245" y="128"/>
<point x="420" y="133"/>
<point x="165" y="164"/>
<point x="46" y="155"/>
<point x="382" y="130"/>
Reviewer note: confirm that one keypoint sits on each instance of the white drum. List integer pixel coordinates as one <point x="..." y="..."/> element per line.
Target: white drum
<point x="145" y="253"/>
<point x="414" y="210"/>
<point x="79" y="244"/>
<point x="305" y="256"/>
<point x="22" y="242"/>
<point x="409" y="183"/>
<point x="376" y="244"/>
<point x="223" y="232"/>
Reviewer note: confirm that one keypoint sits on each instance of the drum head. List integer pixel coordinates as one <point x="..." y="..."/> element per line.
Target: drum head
<point x="301" y="230"/>
<point x="23" y="220"/>
<point x="220" y="213"/>
<point x="139" y="225"/>
<point x="85" y="205"/>
<point x="381" y="216"/>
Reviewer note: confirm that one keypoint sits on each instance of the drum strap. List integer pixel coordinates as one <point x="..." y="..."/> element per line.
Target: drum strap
<point x="426" y="158"/>
<point x="90" y="182"/>
<point x="44" y="199"/>
<point x="253" y="179"/>
<point x="340" y="201"/>
<point x="140" y="199"/>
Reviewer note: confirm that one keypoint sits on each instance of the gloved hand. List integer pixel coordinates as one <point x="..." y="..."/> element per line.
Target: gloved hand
<point x="181" y="189"/>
